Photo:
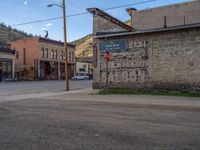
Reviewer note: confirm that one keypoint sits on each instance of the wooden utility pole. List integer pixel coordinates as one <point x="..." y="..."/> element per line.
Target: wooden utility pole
<point x="65" y="47"/>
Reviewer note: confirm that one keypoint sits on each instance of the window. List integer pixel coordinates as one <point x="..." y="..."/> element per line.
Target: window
<point x="82" y="69"/>
<point x="69" y="56"/>
<point x="84" y="66"/>
<point x="56" y="54"/>
<point x="61" y="55"/>
<point x="24" y="56"/>
<point x="42" y="52"/>
<point x="17" y="54"/>
<point x="46" y="53"/>
<point x="72" y="56"/>
<point x="64" y="55"/>
<point x="52" y="54"/>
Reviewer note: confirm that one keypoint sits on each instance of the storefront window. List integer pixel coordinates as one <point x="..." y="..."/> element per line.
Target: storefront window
<point x="5" y="69"/>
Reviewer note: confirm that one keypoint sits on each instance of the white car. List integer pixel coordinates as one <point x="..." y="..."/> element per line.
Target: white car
<point x="80" y="77"/>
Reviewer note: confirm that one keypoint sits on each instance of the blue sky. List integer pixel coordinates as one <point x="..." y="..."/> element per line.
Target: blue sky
<point x="19" y="11"/>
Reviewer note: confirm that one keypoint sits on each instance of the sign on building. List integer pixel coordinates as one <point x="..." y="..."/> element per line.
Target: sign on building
<point x="113" y="46"/>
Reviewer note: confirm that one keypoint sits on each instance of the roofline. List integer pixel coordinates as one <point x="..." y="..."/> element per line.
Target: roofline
<point x="103" y="14"/>
<point x="169" y="5"/>
<point x="45" y="40"/>
<point x="151" y="30"/>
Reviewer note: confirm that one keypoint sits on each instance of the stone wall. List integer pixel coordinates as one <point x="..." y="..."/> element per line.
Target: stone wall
<point x="102" y="25"/>
<point x="179" y="14"/>
<point x="164" y="60"/>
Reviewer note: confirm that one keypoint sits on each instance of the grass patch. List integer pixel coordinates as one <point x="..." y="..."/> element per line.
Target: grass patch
<point x="122" y="91"/>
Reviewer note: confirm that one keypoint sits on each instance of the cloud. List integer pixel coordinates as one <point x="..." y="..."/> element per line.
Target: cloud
<point x="25" y="2"/>
<point x="43" y="29"/>
<point x="49" y="24"/>
<point x="31" y="26"/>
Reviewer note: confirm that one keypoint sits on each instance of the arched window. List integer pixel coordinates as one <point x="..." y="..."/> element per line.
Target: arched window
<point x="46" y="53"/>
<point x="52" y="54"/>
<point x="69" y="56"/>
<point x="72" y="56"/>
<point x="56" y="54"/>
<point x="61" y="55"/>
<point x="42" y="52"/>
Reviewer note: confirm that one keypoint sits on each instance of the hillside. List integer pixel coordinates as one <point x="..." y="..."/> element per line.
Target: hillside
<point x="8" y="34"/>
<point x="84" y="48"/>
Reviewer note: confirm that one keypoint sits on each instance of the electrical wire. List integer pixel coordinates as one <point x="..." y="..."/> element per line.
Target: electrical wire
<point x="79" y="14"/>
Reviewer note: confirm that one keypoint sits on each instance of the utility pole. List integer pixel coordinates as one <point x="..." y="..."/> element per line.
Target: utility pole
<point x="65" y="47"/>
<point x="63" y="6"/>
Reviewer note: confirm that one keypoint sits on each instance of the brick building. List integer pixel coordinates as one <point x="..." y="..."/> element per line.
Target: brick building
<point x="161" y="50"/>
<point x="7" y="68"/>
<point x="42" y="59"/>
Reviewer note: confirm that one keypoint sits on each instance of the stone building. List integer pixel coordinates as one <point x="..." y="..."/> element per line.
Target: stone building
<point x="7" y="67"/>
<point x="39" y="58"/>
<point x="161" y="50"/>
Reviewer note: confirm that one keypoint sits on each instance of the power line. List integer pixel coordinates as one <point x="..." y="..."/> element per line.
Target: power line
<point x="79" y="14"/>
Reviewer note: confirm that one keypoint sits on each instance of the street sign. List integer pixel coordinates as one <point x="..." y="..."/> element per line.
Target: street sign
<point x="113" y="46"/>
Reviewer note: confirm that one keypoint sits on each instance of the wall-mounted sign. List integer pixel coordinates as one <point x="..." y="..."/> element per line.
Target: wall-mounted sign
<point x="113" y="46"/>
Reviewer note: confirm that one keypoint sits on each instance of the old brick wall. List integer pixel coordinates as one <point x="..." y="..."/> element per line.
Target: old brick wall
<point x="31" y="50"/>
<point x="164" y="60"/>
<point x="154" y="18"/>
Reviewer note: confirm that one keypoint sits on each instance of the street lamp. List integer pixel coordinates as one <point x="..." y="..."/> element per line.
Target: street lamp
<point x="63" y="6"/>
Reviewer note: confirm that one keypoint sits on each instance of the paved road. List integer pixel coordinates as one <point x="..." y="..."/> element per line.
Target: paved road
<point x="91" y="122"/>
<point x="14" y="88"/>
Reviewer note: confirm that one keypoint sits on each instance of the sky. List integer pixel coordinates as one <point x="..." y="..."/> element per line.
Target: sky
<point x="13" y="12"/>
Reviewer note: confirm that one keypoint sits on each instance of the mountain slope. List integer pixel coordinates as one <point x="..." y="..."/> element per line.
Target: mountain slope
<point x="8" y="34"/>
<point x="84" y="46"/>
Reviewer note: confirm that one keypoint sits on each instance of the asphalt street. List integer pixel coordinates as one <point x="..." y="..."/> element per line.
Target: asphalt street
<point x="92" y="122"/>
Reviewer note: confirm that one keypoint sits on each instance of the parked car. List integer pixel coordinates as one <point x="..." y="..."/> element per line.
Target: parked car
<point x="80" y="77"/>
<point x="90" y="76"/>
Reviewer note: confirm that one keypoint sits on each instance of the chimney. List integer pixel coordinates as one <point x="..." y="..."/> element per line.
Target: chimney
<point x="131" y="12"/>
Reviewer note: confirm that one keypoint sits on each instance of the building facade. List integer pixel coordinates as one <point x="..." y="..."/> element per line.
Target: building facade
<point x="7" y="66"/>
<point x="162" y="53"/>
<point x="84" y="66"/>
<point x="42" y="59"/>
